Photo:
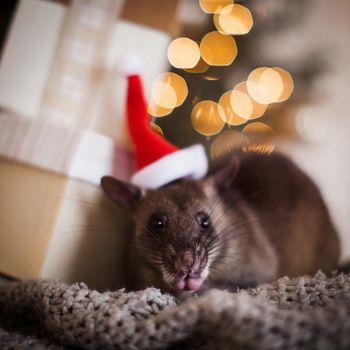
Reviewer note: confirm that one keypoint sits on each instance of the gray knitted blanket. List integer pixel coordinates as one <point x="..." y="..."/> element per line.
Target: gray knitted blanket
<point x="301" y="313"/>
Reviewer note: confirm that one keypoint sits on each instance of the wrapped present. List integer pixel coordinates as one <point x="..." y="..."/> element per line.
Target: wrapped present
<point x="62" y="127"/>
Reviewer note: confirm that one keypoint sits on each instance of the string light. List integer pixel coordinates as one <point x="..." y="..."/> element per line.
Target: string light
<point x="210" y="6"/>
<point x="288" y="84"/>
<point x="248" y="100"/>
<point x="226" y="112"/>
<point x="201" y="67"/>
<point x="157" y="129"/>
<point x="241" y="104"/>
<point x="216" y="20"/>
<point x="235" y="19"/>
<point x="258" y="132"/>
<point x="183" y="53"/>
<point x="169" y="90"/>
<point x="258" y="108"/>
<point x="259" y="136"/>
<point x="206" y="119"/>
<point x="218" y="49"/>
<point x="271" y="85"/>
<point x="253" y="86"/>
<point x="157" y="111"/>
<point x="226" y="141"/>
<point x="211" y="77"/>
<point x="163" y="94"/>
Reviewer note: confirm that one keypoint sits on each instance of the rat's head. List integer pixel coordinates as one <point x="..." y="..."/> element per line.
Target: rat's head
<point x="178" y="232"/>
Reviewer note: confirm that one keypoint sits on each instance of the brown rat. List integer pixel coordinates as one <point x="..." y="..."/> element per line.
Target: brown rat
<point x="254" y="217"/>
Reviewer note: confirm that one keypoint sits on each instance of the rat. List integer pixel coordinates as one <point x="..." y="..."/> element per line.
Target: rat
<point x="253" y="218"/>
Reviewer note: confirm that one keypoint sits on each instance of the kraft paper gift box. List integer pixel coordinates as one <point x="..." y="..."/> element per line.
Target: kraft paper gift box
<point x="57" y="222"/>
<point x="61" y="129"/>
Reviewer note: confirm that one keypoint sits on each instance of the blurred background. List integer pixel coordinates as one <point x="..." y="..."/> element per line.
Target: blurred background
<point x="273" y="74"/>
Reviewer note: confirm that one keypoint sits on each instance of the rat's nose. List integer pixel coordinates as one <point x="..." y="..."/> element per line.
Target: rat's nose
<point x="188" y="271"/>
<point x="184" y="262"/>
<point x="187" y="264"/>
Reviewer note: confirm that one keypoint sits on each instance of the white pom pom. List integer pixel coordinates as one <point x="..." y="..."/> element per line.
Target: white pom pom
<point x="130" y="63"/>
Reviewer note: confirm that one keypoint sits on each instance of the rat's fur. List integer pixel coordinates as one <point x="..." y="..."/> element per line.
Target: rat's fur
<point x="267" y="219"/>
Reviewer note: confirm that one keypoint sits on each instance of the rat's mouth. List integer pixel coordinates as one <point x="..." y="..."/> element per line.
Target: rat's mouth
<point x="189" y="283"/>
<point x="186" y="281"/>
<point x="187" y="273"/>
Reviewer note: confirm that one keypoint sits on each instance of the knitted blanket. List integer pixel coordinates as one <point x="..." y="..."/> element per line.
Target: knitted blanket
<point x="300" y="313"/>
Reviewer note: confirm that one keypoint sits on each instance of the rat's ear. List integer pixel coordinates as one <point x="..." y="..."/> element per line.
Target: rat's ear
<point x="225" y="176"/>
<point x="120" y="192"/>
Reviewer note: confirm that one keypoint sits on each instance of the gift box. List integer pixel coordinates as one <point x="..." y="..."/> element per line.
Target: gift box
<point x="62" y="127"/>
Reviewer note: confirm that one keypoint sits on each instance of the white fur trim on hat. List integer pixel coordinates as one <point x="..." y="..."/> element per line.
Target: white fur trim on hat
<point x="130" y="63"/>
<point x="190" y="163"/>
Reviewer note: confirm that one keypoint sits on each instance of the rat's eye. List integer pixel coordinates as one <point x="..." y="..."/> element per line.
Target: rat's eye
<point x="157" y="222"/>
<point x="204" y="220"/>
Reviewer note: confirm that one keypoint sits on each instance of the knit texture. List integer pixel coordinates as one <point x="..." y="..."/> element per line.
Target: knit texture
<point x="300" y="313"/>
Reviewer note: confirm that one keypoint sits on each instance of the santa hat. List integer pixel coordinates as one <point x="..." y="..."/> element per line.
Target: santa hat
<point x="158" y="162"/>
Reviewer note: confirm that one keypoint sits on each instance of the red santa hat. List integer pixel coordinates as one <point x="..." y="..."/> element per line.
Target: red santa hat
<point x="158" y="162"/>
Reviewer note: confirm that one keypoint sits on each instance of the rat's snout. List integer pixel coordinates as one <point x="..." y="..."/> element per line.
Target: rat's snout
<point x="188" y="270"/>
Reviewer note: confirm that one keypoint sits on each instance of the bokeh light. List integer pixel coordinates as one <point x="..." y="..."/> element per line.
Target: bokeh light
<point x="241" y="104"/>
<point x="253" y="86"/>
<point x="288" y="84"/>
<point x="211" y="77"/>
<point x="183" y="53"/>
<point x="258" y="133"/>
<point x="163" y="94"/>
<point x="260" y="136"/>
<point x="234" y="19"/>
<point x="271" y="85"/>
<point x="216" y="20"/>
<point x="226" y="112"/>
<point x="157" y="111"/>
<point x="258" y="108"/>
<point x="218" y="49"/>
<point x="227" y="141"/>
<point x="156" y="128"/>
<point x="210" y="6"/>
<point x="169" y="90"/>
<point x="206" y="118"/>
<point x="200" y="67"/>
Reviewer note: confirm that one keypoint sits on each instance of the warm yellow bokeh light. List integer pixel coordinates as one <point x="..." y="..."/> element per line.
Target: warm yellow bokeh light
<point x="258" y="108"/>
<point x="210" y="6"/>
<point x="183" y="53"/>
<point x="218" y="49"/>
<point x="260" y="138"/>
<point x="200" y="67"/>
<point x="241" y="104"/>
<point x="226" y="112"/>
<point x="156" y="128"/>
<point x="235" y="19"/>
<point x="260" y="148"/>
<point x="163" y="94"/>
<point x="157" y="111"/>
<point x="288" y="84"/>
<point x="206" y="118"/>
<point x="271" y="85"/>
<point x="253" y="86"/>
<point x="216" y="20"/>
<point x="227" y="141"/>
<point x="258" y="133"/>
<point x="211" y="77"/>
<point x="169" y="90"/>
